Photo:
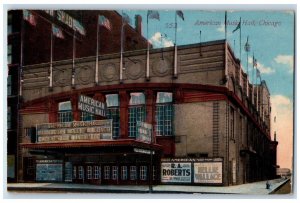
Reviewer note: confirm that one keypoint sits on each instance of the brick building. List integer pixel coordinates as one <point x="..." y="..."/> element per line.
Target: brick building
<point x="210" y="125"/>
<point x="36" y="35"/>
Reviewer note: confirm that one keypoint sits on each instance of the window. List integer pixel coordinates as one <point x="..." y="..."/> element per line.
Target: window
<point x="89" y="172"/>
<point x="9" y="117"/>
<point x="80" y="172"/>
<point x="74" y="172"/>
<point x="97" y="172"/>
<point x="9" y="85"/>
<point x="106" y="172"/>
<point x="86" y="116"/>
<point x="115" y="172"/>
<point x="231" y="123"/>
<point x="136" y="111"/>
<point x="9" y="54"/>
<point x="132" y="172"/>
<point x="124" y="172"/>
<point x="143" y="172"/>
<point x="164" y="113"/>
<point x="113" y="112"/>
<point x="65" y="112"/>
<point x="9" y="23"/>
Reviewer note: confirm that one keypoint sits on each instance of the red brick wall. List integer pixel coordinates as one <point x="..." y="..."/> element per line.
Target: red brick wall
<point x="37" y="38"/>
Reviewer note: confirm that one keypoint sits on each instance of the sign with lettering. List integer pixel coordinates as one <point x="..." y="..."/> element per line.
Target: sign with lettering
<point x="143" y="151"/>
<point x="176" y="172"/>
<point x="49" y="171"/>
<point x="208" y="172"/>
<point x="90" y="105"/>
<point x="68" y="20"/>
<point x="68" y="172"/>
<point x="144" y="132"/>
<point x="75" y="131"/>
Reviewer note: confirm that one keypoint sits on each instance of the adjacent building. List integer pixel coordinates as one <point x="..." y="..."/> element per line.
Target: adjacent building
<point x="209" y="124"/>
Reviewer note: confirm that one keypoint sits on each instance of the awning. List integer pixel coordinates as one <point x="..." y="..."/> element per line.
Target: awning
<point x="87" y="144"/>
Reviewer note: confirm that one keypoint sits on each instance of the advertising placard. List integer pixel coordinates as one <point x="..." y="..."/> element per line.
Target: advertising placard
<point x="49" y="172"/>
<point x="90" y="105"/>
<point x="75" y="131"/>
<point x="144" y="132"/>
<point x="176" y="172"/>
<point x="208" y="172"/>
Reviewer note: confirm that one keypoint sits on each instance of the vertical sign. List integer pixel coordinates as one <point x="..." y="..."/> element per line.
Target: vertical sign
<point x="68" y="172"/>
<point x="144" y="132"/>
<point x="173" y="172"/>
<point x="208" y="172"/>
<point x="234" y="171"/>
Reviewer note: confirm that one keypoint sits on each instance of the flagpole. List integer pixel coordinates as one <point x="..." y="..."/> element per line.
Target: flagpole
<point x="200" y="44"/>
<point x="148" y="47"/>
<point x="241" y="40"/>
<point x="121" y="54"/>
<point x="73" y="61"/>
<point x="175" y="47"/>
<point x="225" y="24"/>
<point x="21" y="56"/>
<point x="51" y="58"/>
<point x="97" y="53"/>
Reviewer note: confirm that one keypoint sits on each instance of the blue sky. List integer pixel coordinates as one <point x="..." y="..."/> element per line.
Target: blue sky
<point x="271" y="37"/>
<point x="272" y="43"/>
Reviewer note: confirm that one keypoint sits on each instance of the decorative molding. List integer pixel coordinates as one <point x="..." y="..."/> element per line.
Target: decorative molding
<point x="162" y="67"/>
<point x="134" y="69"/>
<point x="83" y="75"/>
<point x="109" y="72"/>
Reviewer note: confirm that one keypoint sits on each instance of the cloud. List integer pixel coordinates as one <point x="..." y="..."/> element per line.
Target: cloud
<point x="282" y="108"/>
<point x="221" y="28"/>
<point x="261" y="67"/>
<point x="158" y="41"/>
<point x="287" y="60"/>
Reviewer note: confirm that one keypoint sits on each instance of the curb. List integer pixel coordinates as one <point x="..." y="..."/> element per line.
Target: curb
<point x="277" y="188"/>
<point x="41" y="189"/>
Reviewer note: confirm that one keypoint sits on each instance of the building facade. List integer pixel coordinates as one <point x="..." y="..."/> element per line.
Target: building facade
<point x="210" y="126"/>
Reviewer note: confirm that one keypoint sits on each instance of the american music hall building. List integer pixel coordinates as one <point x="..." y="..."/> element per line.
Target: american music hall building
<point x="209" y="124"/>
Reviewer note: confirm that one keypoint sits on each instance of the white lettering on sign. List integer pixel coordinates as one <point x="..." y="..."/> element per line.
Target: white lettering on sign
<point x="176" y="172"/>
<point x="91" y="105"/>
<point x="73" y="131"/>
<point x="208" y="172"/>
<point x="144" y="132"/>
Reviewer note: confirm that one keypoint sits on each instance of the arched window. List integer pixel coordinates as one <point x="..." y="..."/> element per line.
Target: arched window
<point x="113" y="112"/>
<point x="65" y="112"/>
<point x="136" y="111"/>
<point x="164" y="114"/>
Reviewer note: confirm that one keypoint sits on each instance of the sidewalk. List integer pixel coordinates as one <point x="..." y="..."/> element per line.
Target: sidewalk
<point x="257" y="188"/>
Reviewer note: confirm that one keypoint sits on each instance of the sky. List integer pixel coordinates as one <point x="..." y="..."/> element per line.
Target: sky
<point x="271" y="38"/>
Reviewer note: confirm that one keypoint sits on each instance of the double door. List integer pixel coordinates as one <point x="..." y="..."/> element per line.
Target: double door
<point x="94" y="173"/>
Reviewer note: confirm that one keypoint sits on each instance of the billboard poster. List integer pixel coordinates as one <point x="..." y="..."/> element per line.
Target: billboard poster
<point x="75" y="131"/>
<point x="208" y="172"/>
<point x="176" y="172"/>
<point x="49" y="172"/>
<point x="90" y="105"/>
<point x="144" y="132"/>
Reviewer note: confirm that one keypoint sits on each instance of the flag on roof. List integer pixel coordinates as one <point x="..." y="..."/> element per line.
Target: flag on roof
<point x="153" y="14"/>
<point x="104" y="22"/>
<point x="57" y="32"/>
<point x="78" y="27"/>
<point x="126" y="18"/>
<point x="257" y="72"/>
<point x="29" y="17"/>
<point x="180" y="14"/>
<point x="237" y="27"/>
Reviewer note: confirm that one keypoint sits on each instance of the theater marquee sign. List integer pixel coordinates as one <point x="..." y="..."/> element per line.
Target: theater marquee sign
<point x="74" y="131"/>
